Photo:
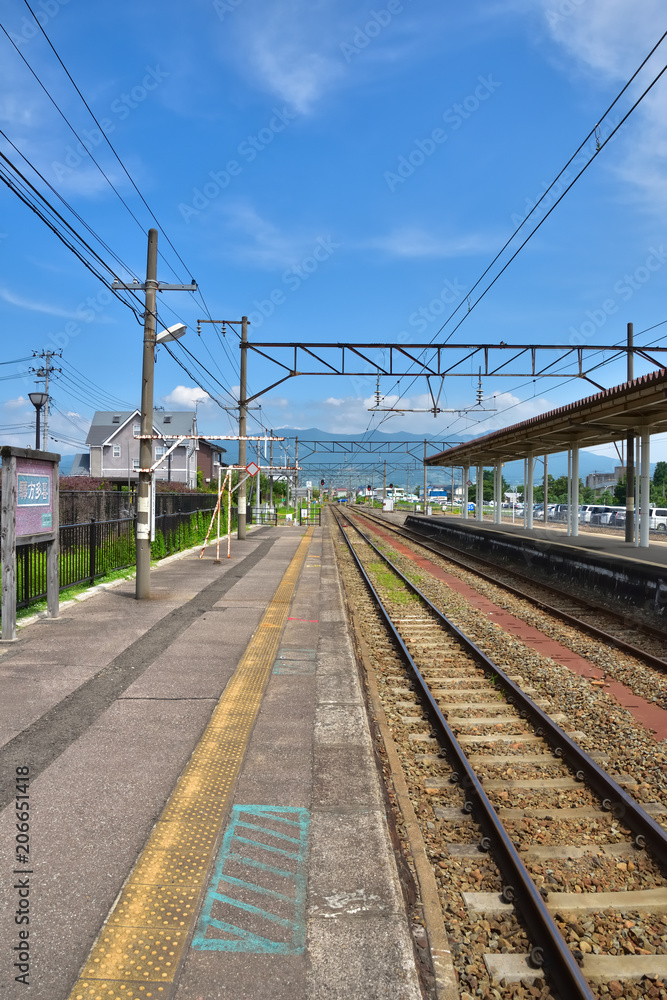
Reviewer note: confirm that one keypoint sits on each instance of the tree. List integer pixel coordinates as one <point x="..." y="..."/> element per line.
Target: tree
<point x="487" y="487"/>
<point x="659" y="485"/>
<point x="620" y="491"/>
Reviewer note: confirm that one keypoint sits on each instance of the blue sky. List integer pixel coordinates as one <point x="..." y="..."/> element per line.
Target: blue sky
<point x="338" y="171"/>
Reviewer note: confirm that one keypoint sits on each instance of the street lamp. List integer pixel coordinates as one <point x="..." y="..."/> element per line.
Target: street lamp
<point x="151" y="340"/>
<point x="171" y="333"/>
<point x="38" y="399"/>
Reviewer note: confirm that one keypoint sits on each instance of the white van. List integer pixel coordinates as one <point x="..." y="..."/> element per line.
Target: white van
<point x="657" y="518"/>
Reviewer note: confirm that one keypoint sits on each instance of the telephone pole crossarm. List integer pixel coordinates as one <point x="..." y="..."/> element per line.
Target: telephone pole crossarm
<point x="159" y="286"/>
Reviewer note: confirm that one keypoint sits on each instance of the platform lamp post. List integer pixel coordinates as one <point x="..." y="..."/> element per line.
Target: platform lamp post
<point x="38" y="400"/>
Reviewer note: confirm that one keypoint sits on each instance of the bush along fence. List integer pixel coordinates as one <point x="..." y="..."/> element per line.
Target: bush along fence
<point x="91" y="549"/>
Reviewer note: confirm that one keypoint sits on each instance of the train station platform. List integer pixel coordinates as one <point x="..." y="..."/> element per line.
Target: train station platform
<point x="205" y="814"/>
<point x="590" y="559"/>
<point x="607" y="543"/>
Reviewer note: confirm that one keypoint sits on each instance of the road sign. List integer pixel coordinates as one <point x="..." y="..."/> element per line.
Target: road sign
<point x="252" y="469"/>
<point x="470" y="482"/>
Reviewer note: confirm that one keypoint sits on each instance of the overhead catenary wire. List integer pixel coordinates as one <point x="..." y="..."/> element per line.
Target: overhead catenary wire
<point x="599" y="147"/>
<point x="68" y="242"/>
<point x="34" y="200"/>
<point x="121" y="164"/>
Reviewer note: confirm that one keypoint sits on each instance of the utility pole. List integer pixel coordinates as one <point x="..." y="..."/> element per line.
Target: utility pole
<point x="630" y="463"/>
<point x="143" y="587"/>
<point x="243" y="412"/>
<point x="44" y="372"/>
<point x="143" y="538"/>
<point x="384" y="480"/>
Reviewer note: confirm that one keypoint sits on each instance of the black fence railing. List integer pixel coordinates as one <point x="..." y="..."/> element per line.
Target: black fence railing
<point x="257" y="515"/>
<point x="94" y="548"/>
<point x="310" y="515"/>
<point x="77" y="507"/>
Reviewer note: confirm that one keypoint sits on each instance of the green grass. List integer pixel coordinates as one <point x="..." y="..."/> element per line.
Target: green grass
<point x="71" y="592"/>
<point x="188" y="534"/>
<point x="395" y="588"/>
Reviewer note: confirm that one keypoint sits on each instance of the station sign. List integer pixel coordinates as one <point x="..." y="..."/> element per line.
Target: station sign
<point x="34" y="497"/>
<point x="29" y="515"/>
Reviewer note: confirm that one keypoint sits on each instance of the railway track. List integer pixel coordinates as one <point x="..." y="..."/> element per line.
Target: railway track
<point x="615" y="628"/>
<point x="509" y="794"/>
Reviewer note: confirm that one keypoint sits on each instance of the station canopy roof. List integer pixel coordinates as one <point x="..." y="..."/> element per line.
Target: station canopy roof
<point x="599" y="419"/>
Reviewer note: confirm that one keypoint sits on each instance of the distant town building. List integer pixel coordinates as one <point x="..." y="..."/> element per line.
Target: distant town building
<point x="114" y="448"/>
<point x="602" y="481"/>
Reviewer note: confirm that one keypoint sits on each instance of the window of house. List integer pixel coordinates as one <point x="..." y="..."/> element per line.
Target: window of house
<point x="115" y="419"/>
<point x="136" y="429"/>
<point x="116" y="451"/>
<point x="135" y="463"/>
<point x="159" y="452"/>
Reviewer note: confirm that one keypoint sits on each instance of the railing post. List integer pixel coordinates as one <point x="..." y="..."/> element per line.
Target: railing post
<point x="26" y="573"/>
<point x="92" y="550"/>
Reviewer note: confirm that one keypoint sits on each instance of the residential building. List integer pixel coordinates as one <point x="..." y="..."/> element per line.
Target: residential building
<point x="114" y="448"/>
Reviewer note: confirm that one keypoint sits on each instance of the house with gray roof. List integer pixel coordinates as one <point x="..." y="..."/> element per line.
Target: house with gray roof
<point x="114" y="446"/>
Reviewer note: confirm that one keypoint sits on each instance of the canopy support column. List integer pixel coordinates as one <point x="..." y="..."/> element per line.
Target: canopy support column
<point x="464" y="493"/>
<point x="645" y="486"/>
<point x="575" y="490"/>
<point x="479" y="510"/>
<point x="528" y="498"/>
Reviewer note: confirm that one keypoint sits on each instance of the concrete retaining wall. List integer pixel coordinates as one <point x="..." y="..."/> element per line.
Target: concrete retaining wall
<point x="629" y="579"/>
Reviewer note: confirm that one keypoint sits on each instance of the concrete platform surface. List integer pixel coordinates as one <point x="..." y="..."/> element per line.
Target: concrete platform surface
<point x="107" y="708"/>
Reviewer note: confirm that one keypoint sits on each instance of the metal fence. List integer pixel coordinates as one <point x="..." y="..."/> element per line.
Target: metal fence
<point x="310" y="515"/>
<point x="258" y="515"/>
<point x="77" y="507"/>
<point x="92" y="549"/>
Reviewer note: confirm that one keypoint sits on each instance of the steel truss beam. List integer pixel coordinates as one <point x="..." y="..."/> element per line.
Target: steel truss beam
<point x="432" y="360"/>
<point x="414" y="449"/>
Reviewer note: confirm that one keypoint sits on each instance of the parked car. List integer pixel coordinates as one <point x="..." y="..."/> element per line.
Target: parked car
<point x="617" y="518"/>
<point x="608" y="515"/>
<point x="599" y="514"/>
<point x="657" y="518"/>
<point x="558" y="512"/>
<point x="589" y="513"/>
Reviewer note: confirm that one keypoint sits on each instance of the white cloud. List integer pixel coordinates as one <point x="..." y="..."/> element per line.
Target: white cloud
<point x="608" y="36"/>
<point x="15" y="404"/>
<point x="606" y="40"/>
<point x="509" y="410"/>
<point x="41" y="307"/>
<point x="416" y="242"/>
<point x="260" y="242"/>
<point x="287" y="47"/>
<point x="184" y="397"/>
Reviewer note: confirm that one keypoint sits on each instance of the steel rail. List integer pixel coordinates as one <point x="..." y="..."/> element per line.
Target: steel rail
<point x="552" y="953"/>
<point x="436" y="548"/>
<point x="647" y="832"/>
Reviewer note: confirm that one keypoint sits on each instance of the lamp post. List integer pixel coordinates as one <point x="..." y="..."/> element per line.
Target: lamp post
<point x="143" y="544"/>
<point x="38" y="399"/>
<point x="150" y="287"/>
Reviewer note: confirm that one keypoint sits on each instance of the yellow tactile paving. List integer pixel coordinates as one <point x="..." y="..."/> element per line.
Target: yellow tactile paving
<point x="143" y="937"/>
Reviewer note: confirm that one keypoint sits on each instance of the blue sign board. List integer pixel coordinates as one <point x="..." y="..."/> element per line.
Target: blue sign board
<point x="33" y="491"/>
